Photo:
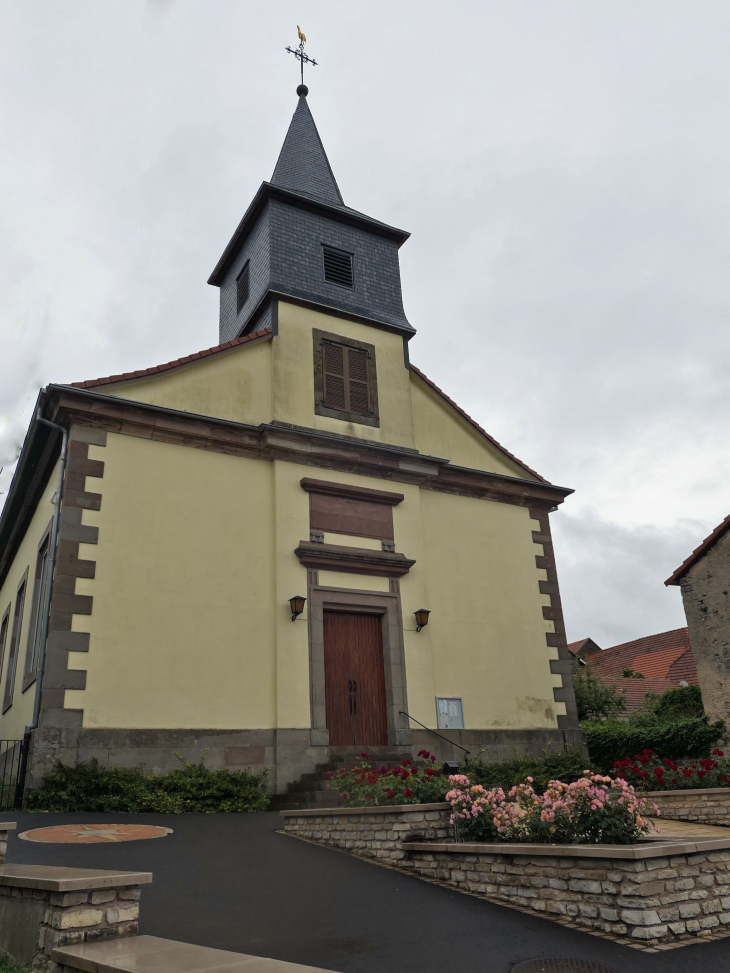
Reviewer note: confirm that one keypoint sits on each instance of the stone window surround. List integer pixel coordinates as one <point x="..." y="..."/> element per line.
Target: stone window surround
<point x="29" y="675"/>
<point x="320" y="409"/>
<point x="14" y="649"/>
<point x="387" y="606"/>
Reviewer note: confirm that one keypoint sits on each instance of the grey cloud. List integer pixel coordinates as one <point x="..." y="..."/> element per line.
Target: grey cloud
<point x="562" y="168"/>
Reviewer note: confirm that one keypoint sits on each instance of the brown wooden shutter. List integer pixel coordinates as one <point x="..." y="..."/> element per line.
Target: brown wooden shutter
<point x="357" y="372"/>
<point x="346" y="378"/>
<point x="334" y="375"/>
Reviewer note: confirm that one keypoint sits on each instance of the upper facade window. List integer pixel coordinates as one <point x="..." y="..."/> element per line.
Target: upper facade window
<point x="338" y="267"/>
<point x="345" y="380"/>
<point x="242" y="287"/>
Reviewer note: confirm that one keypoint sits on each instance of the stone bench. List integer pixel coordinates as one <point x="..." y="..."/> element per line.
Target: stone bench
<point x="149" y="954"/>
<point x="43" y="906"/>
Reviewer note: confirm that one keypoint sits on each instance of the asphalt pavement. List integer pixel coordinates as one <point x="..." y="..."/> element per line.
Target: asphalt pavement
<point x="231" y="882"/>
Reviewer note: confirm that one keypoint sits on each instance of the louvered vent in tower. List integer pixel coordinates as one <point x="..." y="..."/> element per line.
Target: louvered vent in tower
<point x="337" y="266"/>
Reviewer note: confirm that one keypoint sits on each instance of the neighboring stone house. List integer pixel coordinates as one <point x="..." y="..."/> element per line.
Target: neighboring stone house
<point x="705" y="582"/>
<point x="660" y="662"/>
<point x="252" y="537"/>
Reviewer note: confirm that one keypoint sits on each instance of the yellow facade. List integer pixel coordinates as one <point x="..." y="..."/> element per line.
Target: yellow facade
<point x="195" y="563"/>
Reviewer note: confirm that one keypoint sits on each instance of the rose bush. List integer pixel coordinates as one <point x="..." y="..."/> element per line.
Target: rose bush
<point x="365" y="785"/>
<point x="592" y="810"/>
<point x="648" y="772"/>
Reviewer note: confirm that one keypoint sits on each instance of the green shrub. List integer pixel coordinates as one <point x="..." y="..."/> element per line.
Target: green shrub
<point x="191" y="787"/>
<point x="595" y="699"/>
<point x="613" y="740"/>
<point x="567" y="765"/>
<point x="8" y="966"/>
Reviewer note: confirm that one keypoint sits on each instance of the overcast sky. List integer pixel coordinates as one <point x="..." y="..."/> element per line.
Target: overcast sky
<point x="563" y="168"/>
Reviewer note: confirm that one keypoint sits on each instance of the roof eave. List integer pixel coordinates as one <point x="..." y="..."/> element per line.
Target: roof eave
<point x="268" y="191"/>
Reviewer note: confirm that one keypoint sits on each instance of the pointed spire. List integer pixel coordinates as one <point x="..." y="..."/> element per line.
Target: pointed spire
<point x="303" y="166"/>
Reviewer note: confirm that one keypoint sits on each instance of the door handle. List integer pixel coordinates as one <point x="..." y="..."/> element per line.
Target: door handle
<point x="354" y="696"/>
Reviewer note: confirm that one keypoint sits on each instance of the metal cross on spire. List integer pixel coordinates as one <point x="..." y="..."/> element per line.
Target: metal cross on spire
<point x="300" y="55"/>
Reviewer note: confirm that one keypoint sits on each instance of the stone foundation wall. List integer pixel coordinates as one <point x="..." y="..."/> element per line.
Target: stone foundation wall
<point x="709" y="805"/>
<point x="657" y="899"/>
<point x="289" y="753"/>
<point x="378" y="832"/>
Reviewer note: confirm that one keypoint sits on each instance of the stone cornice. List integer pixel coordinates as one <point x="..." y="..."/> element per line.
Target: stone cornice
<point x="354" y="560"/>
<point x="306" y="447"/>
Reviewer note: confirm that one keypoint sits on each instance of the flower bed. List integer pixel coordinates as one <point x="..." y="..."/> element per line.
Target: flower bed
<point x="368" y="786"/>
<point x="649" y="772"/>
<point x="592" y="810"/>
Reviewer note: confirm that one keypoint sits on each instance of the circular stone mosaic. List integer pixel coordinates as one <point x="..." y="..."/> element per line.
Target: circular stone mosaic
<point x="88" y="834"/>
<point x="555" y="965"/>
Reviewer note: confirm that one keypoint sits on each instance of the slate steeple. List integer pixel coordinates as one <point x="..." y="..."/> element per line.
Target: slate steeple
<point x="278" y="250"/>
<point x="303" y="165"/>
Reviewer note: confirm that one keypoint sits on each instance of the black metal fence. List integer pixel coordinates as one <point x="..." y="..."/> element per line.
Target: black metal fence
<point x="12" y="765"/>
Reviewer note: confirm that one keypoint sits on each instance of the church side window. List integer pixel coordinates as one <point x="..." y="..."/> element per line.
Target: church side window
<point x="33" y="648"/>
<point x="345" y="379"/>
<point x="14" y="643"/>
<point x="242" y="287"/>
<point x="4" y="625"/>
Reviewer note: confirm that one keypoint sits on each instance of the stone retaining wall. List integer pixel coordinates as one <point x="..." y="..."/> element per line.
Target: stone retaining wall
<point x="43" y="907"/>
<point x="652" y="892"/>
<point x="668" y="894"/>
<point x="372" y="832"/>
<point x="710" y="805"/>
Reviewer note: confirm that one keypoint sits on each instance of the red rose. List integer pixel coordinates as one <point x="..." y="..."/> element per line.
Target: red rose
<point x="406" y="763"/>
<point x="408" y="792"/>
<point x="343" y="796"/>
<point x="687" y="771"/>
<point x="365" y="755"/>
<point x="724" y="777"/>
<point x="659" y="771"/>
<point x="390" y="795"/>
<point x="367" y="797"/>
<point x="717" y="752"/>
<point x="674" y="780"/>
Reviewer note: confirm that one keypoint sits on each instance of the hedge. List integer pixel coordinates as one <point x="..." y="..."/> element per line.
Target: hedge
<point x="192" y="787"/>
<point x="613" y="740"/>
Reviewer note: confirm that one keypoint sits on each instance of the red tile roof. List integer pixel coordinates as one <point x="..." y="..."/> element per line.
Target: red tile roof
<point x="167" y="366"/>
<point x="699" y="551"/>
<point x="665" y="660"/>
<point x="634" y="691"/>
<point x="475" y="424"/>
<point x="656" y="665"/>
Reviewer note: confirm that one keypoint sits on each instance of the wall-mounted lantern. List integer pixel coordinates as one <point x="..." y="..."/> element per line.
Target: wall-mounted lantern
<point x="421" y="618"/>
<point x="297" y="606"/>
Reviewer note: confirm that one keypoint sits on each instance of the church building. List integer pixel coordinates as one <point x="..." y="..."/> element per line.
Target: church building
<point x="284" y="549"/>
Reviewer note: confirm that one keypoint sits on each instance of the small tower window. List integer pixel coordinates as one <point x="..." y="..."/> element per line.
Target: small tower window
<point x="345" y="382"/>
<point x="337" y="266"/>
<point x="242" y="288"/>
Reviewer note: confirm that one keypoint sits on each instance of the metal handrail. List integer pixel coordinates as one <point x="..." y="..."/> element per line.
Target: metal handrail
<point x="403" y="713"/>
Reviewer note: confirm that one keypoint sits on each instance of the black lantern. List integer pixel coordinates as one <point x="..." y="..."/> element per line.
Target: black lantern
<point x="297" y="606"/>
<point x="421" y="618"/>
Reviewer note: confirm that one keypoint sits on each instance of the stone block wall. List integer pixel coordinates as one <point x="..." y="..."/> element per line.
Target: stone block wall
<point x="377" y="832"/>
<point x="709" y="805"/>
<point x="34" y="920"/>
<point x="657" y="899"/>
<point x="705" y="589"/>
<point x="5" y="827"/>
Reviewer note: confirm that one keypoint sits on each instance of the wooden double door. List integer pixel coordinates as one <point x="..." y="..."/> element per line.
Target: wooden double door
<point x="354" y="679"/>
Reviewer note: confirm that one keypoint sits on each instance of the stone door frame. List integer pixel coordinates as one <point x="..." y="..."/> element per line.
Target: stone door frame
<point x="387" y="606"/>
